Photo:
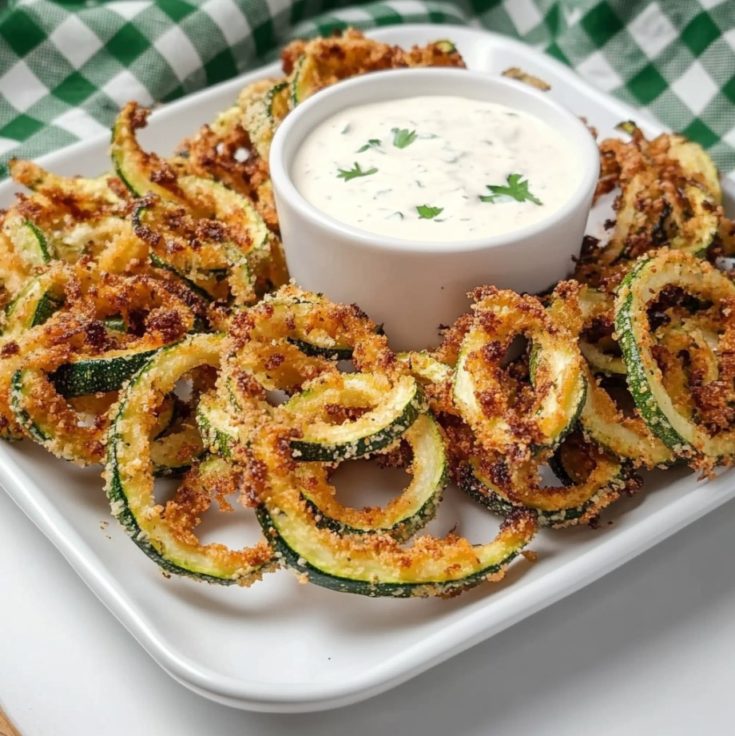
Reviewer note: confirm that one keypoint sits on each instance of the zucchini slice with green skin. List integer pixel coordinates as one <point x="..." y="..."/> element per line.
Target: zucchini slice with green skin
<point x="99" y="373"/>
<point x="213" y="200"/>
<point x="650" y="275"/>
<point x="226" y="121"/>
<point x="116" y="323"/>
<point x="129" y="475"/>
<point x="203" y="198"/>
<point x="204" y="284"/>
<point x="49" y="421"/>
<point x="393" y="406"/>
<point x="39" y="299"/>
<point x="314" y="349"/>
<point x="134" y="166"/>
<point x="696" y="164"/>
<point x="629" y="218"/>
<point x="256" y="101"/>
<point x="596" y="305"/>
<point x="401" y="518"/>
<point x="371" y="564"/>
<point x="694" y="222"/>
<point x="73" y="216"/>
<point x="425" y="368"/>
<point x="263" y="350"/>
<point x="264" y="106"/>
<point x="276" y="103"/>
<point x="303" y="79"/>
<point x="274" y="367"/>
<point x="688" y="357"/>
<point x="405" y="514"/>
<point x="251" y="238"/>
<point x="578" y="397"/>
<point x="46" y="306"/>
<point x="314" y="325"/>
<point x="28" y="240"/>
<point x="90" y="238"/>
<point x="66" y="427"/>
<point x="325" y="61"/>
<point x="556" y="374"/>
<point x="39" y="180"/>
<point x="626" y="436"/>
<point x="216" y="426"/>
<point x="445" y="46"/>
<point x="167" y="414"/>
<point x="435" y="378"/>
<point x="158" y="262"/>
<point x="698" y="228"/>
<point x="175" y="452"/>
<point x="35" y="429"/>
<point x="200" y="268"/>
<point x="587" y="488"/>
<point x="601" y="360"/>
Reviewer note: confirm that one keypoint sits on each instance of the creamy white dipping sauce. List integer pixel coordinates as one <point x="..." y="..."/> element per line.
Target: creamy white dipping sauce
<point x="436" y="168"/>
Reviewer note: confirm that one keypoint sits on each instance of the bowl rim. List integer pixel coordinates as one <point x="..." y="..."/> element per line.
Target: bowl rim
<point x="284" y="186"/>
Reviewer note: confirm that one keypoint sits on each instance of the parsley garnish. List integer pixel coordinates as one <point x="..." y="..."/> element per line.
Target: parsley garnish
<point x="403" y="137"/>
<point x="354" y="172"/>
<point x="372" y="143"/>
<point x="427" y="212"/>
<point x="516" y="188"/>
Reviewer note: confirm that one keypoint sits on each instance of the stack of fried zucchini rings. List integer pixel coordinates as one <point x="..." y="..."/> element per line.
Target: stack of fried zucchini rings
<point x="149" y="327"/>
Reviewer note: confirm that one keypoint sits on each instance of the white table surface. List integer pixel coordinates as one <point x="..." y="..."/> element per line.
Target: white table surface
<point x="647" y="650"/>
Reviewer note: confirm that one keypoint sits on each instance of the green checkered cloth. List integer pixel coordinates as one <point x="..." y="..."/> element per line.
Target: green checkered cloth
<point x="66" y="67"/>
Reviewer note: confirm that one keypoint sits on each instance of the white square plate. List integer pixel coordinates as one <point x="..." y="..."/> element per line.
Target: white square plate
<point x="281" y="646"/>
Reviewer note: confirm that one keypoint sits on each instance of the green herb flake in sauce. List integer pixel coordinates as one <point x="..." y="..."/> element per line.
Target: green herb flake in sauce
<point x="355" y="172"/>
<point x="427" y="212"/>
<point x="403" y="137"/>
<point x="516" y="188"/>
<point x="372" y="143"/>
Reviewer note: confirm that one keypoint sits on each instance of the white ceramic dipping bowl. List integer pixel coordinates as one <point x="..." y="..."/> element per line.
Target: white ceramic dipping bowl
<point x="413" y="287"/>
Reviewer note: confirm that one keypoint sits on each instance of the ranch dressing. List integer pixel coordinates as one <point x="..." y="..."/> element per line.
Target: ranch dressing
<point x="436" y="168"/>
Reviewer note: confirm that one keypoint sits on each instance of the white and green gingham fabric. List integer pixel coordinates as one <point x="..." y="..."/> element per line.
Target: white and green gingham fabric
<point x="66" y="67"/>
